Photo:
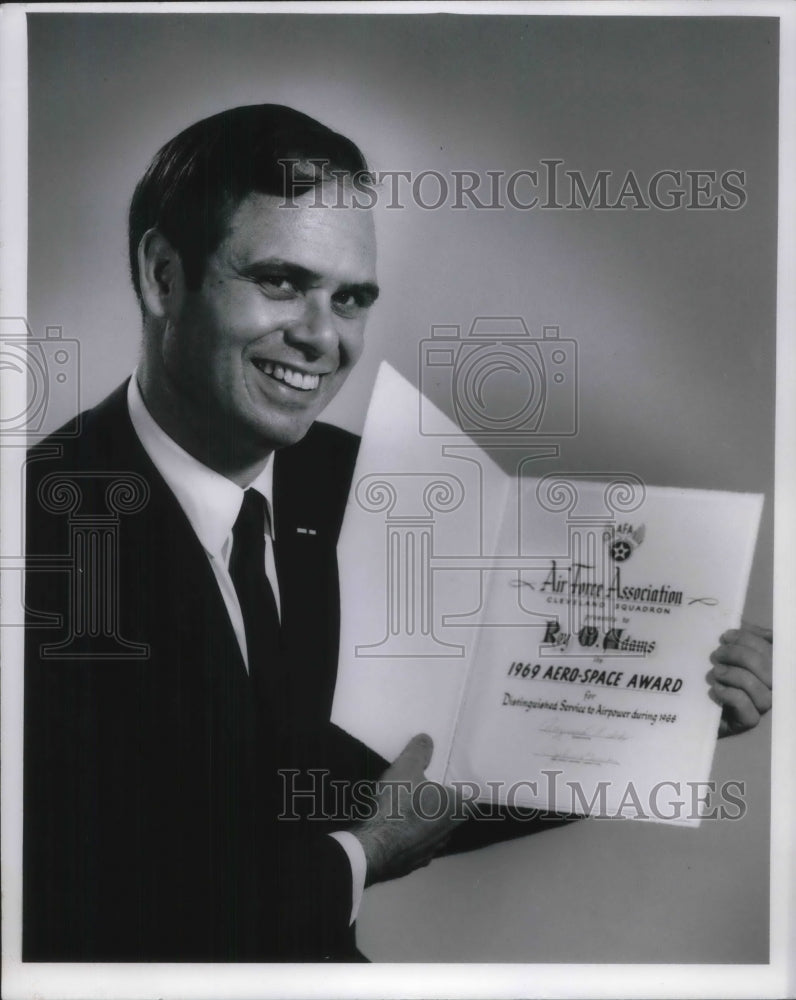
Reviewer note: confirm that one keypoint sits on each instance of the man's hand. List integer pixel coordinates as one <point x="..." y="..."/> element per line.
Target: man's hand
<point x="414" y="817"/>
<point x="740" y="680"/>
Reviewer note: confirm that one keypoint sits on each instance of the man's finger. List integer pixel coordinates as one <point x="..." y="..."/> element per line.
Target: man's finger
<point x="413" y="759"/>
<point x="740" y="714"/>
<point x="745" y="680"/>
<point x="746" y="637"/>
<point x="746" y="657"/>
<point x="764" y="633"/>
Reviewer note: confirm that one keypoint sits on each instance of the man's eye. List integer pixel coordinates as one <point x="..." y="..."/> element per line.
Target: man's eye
<point x="278" y="287"/>
<point x="350" y="304"/>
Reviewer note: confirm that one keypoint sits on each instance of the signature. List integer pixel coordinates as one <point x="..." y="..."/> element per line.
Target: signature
<point x="556" y="730"/>
<point x="568" y="758"/>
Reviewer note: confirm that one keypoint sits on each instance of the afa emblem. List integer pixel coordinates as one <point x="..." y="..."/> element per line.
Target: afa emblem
<point x="624" y="540"/>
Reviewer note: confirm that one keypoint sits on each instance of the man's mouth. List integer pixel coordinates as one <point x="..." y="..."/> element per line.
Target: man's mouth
<point x="290" y="376"/>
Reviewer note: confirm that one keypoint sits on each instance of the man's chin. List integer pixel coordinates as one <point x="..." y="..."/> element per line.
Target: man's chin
<point x="284" y="434"/>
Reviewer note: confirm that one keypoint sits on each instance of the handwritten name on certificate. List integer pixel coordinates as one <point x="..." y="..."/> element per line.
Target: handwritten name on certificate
<point x="601" y="705"/>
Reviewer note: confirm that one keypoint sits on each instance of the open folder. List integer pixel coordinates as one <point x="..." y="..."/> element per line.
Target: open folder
<point x="551" y="634"/>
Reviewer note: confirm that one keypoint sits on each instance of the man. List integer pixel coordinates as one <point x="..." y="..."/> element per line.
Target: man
<point x="188" y="657"/>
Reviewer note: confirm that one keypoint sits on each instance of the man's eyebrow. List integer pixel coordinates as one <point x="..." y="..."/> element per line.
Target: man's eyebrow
<point x="368" y="289"/>
<point x="304" y="276"/>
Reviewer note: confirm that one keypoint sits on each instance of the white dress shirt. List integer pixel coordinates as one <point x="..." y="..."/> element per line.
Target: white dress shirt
<point x="211" y="502"/>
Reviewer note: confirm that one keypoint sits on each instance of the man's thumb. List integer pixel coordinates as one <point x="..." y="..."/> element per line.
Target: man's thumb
<point x="415" y="756"/>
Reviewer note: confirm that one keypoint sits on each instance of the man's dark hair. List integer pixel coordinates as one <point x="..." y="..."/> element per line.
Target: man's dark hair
<point x="196" y="181"/>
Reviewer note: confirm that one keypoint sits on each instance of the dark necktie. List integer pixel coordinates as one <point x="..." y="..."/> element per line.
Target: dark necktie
<point x="247" y="569"/>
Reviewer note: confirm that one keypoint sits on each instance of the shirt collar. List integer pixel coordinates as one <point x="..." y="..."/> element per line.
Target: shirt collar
<point x="211" y="502"/>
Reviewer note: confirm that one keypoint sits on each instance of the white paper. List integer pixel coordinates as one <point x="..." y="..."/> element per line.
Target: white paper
<point x="453" y="572"/>
<point x="401" y="671"/>
<point x="610" y="717"/>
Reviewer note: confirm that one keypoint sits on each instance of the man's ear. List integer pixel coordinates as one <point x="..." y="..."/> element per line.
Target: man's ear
<point x="160" y="274"/>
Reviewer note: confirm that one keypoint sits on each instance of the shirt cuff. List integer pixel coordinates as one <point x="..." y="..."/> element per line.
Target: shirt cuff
<point x="359" y="867"/>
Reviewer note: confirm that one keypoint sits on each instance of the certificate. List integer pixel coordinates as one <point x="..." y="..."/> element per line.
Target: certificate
<point x="601" y="706"/>
<point x="551" y="634"/>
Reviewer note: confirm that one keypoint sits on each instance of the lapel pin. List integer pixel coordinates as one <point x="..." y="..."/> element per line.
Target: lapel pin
<point x="306" y="531"/>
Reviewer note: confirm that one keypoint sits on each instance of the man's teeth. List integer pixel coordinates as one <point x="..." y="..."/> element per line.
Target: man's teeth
<point x="297" y="380"/>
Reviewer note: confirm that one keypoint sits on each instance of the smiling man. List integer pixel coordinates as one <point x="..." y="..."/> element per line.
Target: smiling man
<point x="267" y="339"/>
<point x="188" y="661"/>
<point x="182" y="592"/>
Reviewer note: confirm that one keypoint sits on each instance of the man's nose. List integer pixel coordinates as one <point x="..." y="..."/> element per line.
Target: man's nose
<point x="315" y="328"/>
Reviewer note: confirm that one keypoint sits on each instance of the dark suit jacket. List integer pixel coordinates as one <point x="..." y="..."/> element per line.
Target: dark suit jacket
<point x="152" y="786"/>
<point x="154" y="780"/>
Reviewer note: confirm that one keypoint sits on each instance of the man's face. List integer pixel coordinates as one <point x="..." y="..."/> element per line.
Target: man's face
<point x="276" y="326"/>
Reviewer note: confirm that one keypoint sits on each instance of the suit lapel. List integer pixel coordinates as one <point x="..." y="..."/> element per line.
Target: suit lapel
<point x="180" y="579"/>
<point x="183" y="596"/>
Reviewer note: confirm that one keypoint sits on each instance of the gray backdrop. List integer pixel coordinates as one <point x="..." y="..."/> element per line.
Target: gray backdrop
<point x="673" y="312"/>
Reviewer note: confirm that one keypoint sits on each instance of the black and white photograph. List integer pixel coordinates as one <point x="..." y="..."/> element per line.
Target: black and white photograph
<point x="397" y="491"/>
